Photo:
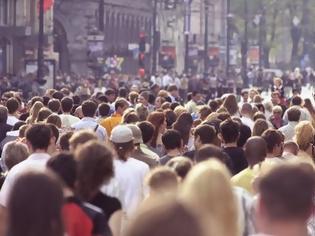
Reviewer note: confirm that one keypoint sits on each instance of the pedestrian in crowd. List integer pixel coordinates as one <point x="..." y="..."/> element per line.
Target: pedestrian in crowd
<point x="67" y="120"/>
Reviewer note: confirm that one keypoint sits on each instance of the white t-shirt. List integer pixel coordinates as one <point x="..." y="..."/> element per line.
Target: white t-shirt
<point x="12" y="120"/>
<point x="68" y="120"/>
<point x="35" y="162"/>
<point x="128" y="183"/>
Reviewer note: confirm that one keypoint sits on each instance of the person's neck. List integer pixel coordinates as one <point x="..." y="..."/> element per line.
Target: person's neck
<point x="66" y="113"/>
<point x="246" y="115"/>
<point x="67" y="192"/>
<point x="14" y="114"/>
<point x="173" y="153"/>
<point x="39" y="151"/>
<point x="287" y="229"/>
<point x="227" y="145"/>
<point x="271" y="155"/>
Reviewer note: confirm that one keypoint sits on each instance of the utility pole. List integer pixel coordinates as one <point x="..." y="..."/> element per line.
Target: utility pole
<point x="155" y="38"/>
<point x="206" y="40"/>
<point x="260" y="42"/>
<point x="187" y="32"/>
<point x="101" y="15"/>
<point x="245" y="45"/>
<point x="40" y="51"/>
<point x="228" y="38"/>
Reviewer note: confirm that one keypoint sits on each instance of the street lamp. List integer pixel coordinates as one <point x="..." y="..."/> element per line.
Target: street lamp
<point x="245" y="45"/>
<point x="206" y="56"/>
<point x="40" y="50"/>
<point x="187" y="31"/>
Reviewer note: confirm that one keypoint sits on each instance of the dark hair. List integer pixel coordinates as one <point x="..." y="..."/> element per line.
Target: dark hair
<point x="206" y="133"/>
<point x="54" y="105"/>
<point x="273" y="138"/>
<point x="287" y="192"/>
<point x="103" y="109"/>
<point x="110" y="92"/>
<point x="122" y="92"/>
<point x="95" y="167"/>
<point x="172" y="88"/>
<point x="39" y="136"/>
<point x="296" y="101"/>
<point x="172" y="139"/>
<point x="76" y="100"/>
<point x="54" y="119"/>
<point x="36" y="99"/>
<point x="183" y="125"/>
<point x="54" y="131"/>
<point x="174" y="105"/>
<point x="131" y="118"/>
<point x="209" y="151"/>
<point x="170" y="117"/>
<point x="35" y="206"/>
<point x="260" y="126"/>
<point x="67" y="104"/>
<point x="204" y="112"/>
<point x="294" y="114"/>
<point x="43" y="114"/>
<point x="58" y="95"/>
<point x="64" y="141"/>
<point x="157" y="119"/>
<point x="18" y="124"/>
<point x="3" y="114"/>
<point x="147" y="130"/>
<point x="245" y="133"/>
<point x="181" y="165"/>
<point x="46" y="100"/>
<point x="214" y="105"/>
<point x="64" y="165"/>
<point x="230" y="131"/>
<point x="13" y="105"/>
<point x="89" y="108"/>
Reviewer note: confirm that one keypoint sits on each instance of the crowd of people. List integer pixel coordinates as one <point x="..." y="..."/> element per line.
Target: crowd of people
<point x="157" y="158"/>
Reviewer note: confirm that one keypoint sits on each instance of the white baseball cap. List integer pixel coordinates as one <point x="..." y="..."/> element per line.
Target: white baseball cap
<point x="121" y="134"/>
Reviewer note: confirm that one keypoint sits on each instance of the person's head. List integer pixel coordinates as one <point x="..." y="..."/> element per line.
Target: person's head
<point x="309" y="106"/>
<point x="121" y="105"/>
<point x="64" y="141"/>
<point x="294" y="114"/>
<point x="43" y="114"/>
<point x="208" y="183"/>
<point x="204" y="134"/>
<point x="133" y="97"/>
<point x="167" y="218"/>
<point x="162" y="180"/>
<point x="170" y="117"/>
<point x="214" y="105"/>
<point x="204" y="112"/>
<point x="34" y="111"/>
<point x="291" y="147"/>
<point x="173" y="90"/>
<point x="260" y="126"/>
<point x="130" y="118"/>
<point x="13" y="105"/>
<point x="89" y="108"/>
<point x="58" y="95"/>
<point x="275" y="98"/>
<point x="274" y="140"/>
<point x="55" y="120"/>
<point x="35" y="206"/>
<point x="80" y="137"/>
<point x="277" y="112"/>
<point x="183" y="125"/>
<point x="110" y="95"/>
<point x="78" y="112"/>
<point x="245" y="134"/>
<point x="304" y="135"/>
<point x="39" y="137"/>
<point x="255" y="150"/>
<point x="158" y="102"/>
<point x="13" y="153"/>
<point x="54" y="105"/>
<point x="296" y="101"/>
<point x="245" y="95"/>
<point x="3" y="114"/>
<point x="137" y="134"/>
<point x="286" y="196"/>
<point x="230" y="104"/>
<point x="103" y="109"/>
<point x="142" y="112"/>
<point x="247" y="110"/>
<point x="123" y="141"/>
<point x="172" y="140"/>
<point x="95" y="168"/>
<point x="147" y="130"/>
<point x="209" y="151"/>
<point x="157" y="119"/>
<point x="259" y="115"/>
<point x="66" y="104"/>
<point x="229" y="131"/>
<point x="181" y="165"/>
<point x="179" y="110"/>
<point x="144" y="98"/>
<point x="195" y="96"/>
<point x="65" y="167"/>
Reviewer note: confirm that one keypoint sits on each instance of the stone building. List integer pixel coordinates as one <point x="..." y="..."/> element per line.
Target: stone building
<point x="89" y="31"/>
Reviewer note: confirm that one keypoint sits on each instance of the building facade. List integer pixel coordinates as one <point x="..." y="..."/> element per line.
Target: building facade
<point x="18" y="33"/>
<point x="89" y="32"/>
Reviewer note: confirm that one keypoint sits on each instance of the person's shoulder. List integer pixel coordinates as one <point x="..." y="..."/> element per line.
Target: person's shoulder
<point x="137" y="163"/>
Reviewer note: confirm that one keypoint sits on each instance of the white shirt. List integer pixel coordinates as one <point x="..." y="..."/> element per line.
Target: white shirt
<point x="12" y="120"/>
<point x="288" y="130"/>
<point x="167" y="80"/>
<point x="35" y="162"/>
<point x="128" y="183"/>
<point x="248" y="122"/>
<point x="68" y="120"/>
<point x="90" y="123"/>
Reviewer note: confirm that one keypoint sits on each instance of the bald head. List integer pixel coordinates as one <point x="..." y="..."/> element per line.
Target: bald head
<point x="255" y="150"/>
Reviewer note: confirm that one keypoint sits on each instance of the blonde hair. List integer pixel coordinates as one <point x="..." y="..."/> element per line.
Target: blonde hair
<point x="277" y="109"/>
<point x="304" y="134"/>
<point x="162" y="180"/>
<point x="34" y="112"/>
<point x="81" y="137"/>
<point x="207" y="189"/>
<point x="179" y="110"/>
